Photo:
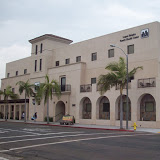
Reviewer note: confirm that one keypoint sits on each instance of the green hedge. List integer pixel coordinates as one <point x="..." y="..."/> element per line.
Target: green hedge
<point x="50" y="119"/>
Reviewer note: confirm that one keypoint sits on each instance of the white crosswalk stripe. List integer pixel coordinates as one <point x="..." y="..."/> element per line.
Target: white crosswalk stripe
<point x="70" y="141"/>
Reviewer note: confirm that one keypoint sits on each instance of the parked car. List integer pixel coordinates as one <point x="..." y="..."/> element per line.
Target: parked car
<point x="68" y="120"/>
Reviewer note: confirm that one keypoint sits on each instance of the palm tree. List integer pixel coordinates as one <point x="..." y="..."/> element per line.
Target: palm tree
<point x="46" y="91"/>
<point x="116" y="77"/>
<point x="8" y="93"/>
<point x="27" y="88"/>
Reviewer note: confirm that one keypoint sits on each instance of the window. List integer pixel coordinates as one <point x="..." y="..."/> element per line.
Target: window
<point x="67" y="61"/>
<point x="94" y="56"/>
<point x="41" y="48"/>
<point x="25" y="71"/>
<point x="93" y="80"/>
<point x="16" y="73"/>
<point x="110" y="53"/>
<point x="13" y="90"/>
<point x="8" y="74"/>
<point x="88" y="107"/>
<point x="35" y="66"/>
<point x="149" y="107"/>
<point x="125" y="106"/>
<point x="36" y="49"/>
<point x="130" y="49"/>
<point x="40" y="65"/>
<point x="106" y="107"/>
<point x="78" y="59"/>
<point x="57" y="63"/>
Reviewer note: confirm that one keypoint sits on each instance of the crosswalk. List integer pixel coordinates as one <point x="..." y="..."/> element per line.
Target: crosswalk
<point x="21" y="139"/>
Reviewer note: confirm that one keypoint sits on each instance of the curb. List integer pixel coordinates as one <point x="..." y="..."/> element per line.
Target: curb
<point x="90" y="128"/>
<point x="111" y="129"/>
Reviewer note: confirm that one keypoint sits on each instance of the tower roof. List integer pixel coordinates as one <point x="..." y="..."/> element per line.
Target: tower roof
<point x="51" y="37"/>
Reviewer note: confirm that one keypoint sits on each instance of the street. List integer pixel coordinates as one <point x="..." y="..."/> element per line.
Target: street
<point x="42" y="142"/>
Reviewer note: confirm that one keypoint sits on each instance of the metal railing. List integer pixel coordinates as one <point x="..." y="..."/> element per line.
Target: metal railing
<point x="58" y="116"/>
<point x="148" y="82"/>
<point x="64" y="88"/>
<point x="86" y="88"/>
<point x="125" y="87"/>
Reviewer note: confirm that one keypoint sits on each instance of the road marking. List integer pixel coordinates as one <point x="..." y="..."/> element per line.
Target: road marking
<point x="1" y="158"/>
<point x="39" y="135"/>
<point x="19" y="131"/>
<point x="22" y="140"/>
<point x="37" y="130"/>
<point x="4" y="131"/>
<point x="70" y="141"/>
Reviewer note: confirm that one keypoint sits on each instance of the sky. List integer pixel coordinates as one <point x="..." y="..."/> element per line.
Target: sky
<point x="78" y="20"/>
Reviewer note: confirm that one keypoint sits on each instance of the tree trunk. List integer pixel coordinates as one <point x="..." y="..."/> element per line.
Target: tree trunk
<point x="25" y="109"/>
<point x="48" y="111"/>
<point x="121" y="110"/>
<point x="6" y="110"/>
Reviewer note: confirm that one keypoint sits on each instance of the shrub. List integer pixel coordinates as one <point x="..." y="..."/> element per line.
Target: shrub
<point x="50" y="119"/>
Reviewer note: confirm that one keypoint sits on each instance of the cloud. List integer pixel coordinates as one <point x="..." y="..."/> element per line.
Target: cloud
<point x="12" y="53"/>
<point x="117" y="10"/>
<point x="21" y="20"/>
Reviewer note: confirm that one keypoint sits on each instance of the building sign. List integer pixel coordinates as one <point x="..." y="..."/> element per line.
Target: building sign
<point x="129" y="37"/>
<point x="145" y="33"/>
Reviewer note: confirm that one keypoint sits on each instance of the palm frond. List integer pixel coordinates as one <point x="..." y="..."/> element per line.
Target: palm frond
<point x="25" y="86"/>
<point x="116" y="76"/>
<point x="45" y="90"/>
<point x="133" y="71"/>
<point x="107" y="81"/>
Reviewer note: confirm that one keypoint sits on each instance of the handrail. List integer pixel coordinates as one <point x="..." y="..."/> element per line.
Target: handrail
<point x="58" y="114"/>
<point x="61" y="113"/>
<point x="64" y="88"/>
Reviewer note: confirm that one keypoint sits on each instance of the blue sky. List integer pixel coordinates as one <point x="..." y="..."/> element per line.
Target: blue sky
<point x="22" y="20"/>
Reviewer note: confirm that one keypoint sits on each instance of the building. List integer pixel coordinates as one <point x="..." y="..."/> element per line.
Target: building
<point x="77" y="67"/>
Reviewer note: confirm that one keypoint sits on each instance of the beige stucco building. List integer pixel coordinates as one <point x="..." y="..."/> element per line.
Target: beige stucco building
<point x="77" y="66"/>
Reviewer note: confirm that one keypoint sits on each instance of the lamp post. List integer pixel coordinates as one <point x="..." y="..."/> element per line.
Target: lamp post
<point x="112" y="45"/>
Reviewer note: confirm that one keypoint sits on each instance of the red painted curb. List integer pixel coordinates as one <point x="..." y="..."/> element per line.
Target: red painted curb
<point x="124" y="130"/>
<point x="83" y="127"/>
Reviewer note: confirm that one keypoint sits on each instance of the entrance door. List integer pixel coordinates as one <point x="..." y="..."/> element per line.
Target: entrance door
<point x="63" y="83"/>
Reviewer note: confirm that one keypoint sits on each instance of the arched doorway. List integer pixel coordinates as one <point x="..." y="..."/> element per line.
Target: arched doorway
<point x="85" y="108"/>
<point x="124" y="107"/>
<point x="147" y="108"/>
<point x="60" y="110"/>
<point x="103" y="108"/>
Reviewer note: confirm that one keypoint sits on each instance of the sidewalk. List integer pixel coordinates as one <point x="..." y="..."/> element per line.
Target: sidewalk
<point x="100" y="127"/>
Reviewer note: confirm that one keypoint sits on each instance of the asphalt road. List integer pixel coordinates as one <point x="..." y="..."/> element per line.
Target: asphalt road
<point x="20" y="141"/>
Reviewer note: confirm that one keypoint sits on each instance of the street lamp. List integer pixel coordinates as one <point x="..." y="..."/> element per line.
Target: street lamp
<point x="112" y="45"/>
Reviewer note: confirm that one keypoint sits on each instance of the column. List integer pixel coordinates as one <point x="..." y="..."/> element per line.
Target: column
<point x="4" y="111"/>
<point x="112" y="110"/>
<point x="20" y="111"/>
<point x="14" y="112"/>
<point x="27" y="111"/>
